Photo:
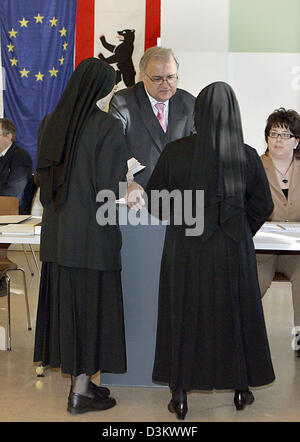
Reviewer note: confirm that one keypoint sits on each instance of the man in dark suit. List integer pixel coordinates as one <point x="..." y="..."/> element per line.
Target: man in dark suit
<point x="147" y="129"/>
<point x="15" y="166"/>
<point x="15" y="172"/>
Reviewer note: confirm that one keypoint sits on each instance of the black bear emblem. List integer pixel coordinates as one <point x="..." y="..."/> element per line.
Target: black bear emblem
<point x="122" y="55"/>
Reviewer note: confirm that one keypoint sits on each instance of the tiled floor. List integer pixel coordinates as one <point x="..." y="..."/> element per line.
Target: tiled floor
<point x="26" y="398"/>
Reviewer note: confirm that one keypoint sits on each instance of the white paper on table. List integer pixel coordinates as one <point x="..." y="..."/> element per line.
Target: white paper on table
<point x="17" y="229"/>
<point x="280" y="227"/>
<point x="13" y="219"/>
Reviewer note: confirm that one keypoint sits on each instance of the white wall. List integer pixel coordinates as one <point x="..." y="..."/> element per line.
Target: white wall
<point x="198" y="32"/>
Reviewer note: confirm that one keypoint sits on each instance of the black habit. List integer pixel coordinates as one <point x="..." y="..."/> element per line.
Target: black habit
<point x="81" y="151"/>
<point x="211" y="331"/>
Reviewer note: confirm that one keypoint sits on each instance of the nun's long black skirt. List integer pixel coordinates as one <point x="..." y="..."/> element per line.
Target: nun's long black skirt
<point x="80" y="325"/>
<point x="211" y="331"/>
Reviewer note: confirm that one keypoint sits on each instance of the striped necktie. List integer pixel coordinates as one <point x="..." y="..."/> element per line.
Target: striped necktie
<point x="161" y="116"/>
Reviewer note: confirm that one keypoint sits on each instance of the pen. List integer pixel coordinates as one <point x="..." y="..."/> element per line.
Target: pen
<point x="281" y="226"/>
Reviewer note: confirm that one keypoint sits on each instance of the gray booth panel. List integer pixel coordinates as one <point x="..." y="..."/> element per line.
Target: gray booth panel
<point x="141" y="257"/>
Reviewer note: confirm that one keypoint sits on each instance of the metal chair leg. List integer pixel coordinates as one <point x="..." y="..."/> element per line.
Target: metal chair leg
<point x="8" y="304"/>
<point x="35" y="259"/>
<point x="26" y="298"/>
<point x="7" y="279"/>
<point x="27" y="259"/>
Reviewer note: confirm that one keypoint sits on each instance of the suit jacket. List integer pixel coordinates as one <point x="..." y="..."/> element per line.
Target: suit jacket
<point x="144" y="136"/>
<point x="71" y="235"/>
<point x="284" y="209"/>
<point x="15" y="175"/>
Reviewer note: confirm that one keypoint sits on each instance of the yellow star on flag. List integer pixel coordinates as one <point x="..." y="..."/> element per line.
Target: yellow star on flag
<point x="23" y="22"/>
<point x="63" y="32"/>
<point x="24" y="73"/>
<point x="10" y="47"/>
<point x="53" y="72"/>
<point x="12" y="33"/>
<point x="65" y="45"/>
<point x="61" y="60"/>
<point x="53" y="21"/>
<point x="14" y="61"/>
<point x="39" y="18"/>
<point x="39" y="76"/>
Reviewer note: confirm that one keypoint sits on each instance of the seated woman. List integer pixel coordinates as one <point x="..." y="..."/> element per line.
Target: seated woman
<point x="282" y="165"/>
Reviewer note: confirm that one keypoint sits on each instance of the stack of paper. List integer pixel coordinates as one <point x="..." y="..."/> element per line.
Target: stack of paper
<point x="13" y="219"/>
<point x="21" y="229"/>
<point x="17" y="229"/>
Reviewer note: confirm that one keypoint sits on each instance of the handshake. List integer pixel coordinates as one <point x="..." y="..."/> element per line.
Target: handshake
<point x="134" y="195"/>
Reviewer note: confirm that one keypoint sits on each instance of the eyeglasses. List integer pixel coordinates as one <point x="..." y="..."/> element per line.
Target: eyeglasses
<point x="170" y="79"/>
<point x="283" y="136"/>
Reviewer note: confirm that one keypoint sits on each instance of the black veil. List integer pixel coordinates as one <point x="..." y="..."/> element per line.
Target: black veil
<point x="219" y="160"/>
<point x="60" y="131"/>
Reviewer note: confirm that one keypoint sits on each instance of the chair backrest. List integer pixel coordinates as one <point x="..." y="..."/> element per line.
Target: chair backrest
<point x="9" y="205"/>
<point x="29" y="193"/>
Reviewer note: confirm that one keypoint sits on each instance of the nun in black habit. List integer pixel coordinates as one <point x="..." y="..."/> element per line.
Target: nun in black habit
<point x="81" y="151"/>
<point x="211" y="331"/>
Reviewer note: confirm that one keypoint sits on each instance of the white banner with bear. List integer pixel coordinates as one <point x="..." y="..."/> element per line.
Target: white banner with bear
<point x="120" y="37"/>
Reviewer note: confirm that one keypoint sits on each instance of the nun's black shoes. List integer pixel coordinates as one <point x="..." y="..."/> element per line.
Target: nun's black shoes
<point x="178" y="407"/>
<point x="99" y="390"/>
<point x="96" y="389"/>
<point x="242" y="398"/>
<point x="81" y="404"/>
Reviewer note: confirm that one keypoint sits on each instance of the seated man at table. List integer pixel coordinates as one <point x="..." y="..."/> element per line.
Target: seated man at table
<point x="15" y="172"/>
<point x="282" y="165"/>
<point x="15" y="166"/>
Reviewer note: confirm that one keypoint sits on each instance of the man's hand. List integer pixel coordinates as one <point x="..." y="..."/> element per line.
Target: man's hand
<point x="133" y="196"/>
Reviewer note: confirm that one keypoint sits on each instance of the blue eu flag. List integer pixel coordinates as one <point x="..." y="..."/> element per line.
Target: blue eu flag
<point x="37" y="47"/>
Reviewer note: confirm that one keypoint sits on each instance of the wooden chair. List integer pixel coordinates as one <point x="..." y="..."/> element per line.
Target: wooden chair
<point x="9" y="205"/>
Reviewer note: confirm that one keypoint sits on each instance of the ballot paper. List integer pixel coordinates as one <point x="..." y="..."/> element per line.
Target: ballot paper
<point x="281" y="227"/>
<point x="13" y="219"/>
<point x="134" y="166"/>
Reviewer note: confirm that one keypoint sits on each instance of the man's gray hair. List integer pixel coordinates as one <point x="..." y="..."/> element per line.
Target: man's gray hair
<point x="156" y="52"/>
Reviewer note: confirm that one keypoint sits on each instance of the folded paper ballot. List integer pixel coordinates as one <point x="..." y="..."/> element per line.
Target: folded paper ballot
<point x="134" y="165"/>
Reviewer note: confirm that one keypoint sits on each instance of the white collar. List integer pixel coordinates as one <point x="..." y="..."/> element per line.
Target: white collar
<point x="154" y="102"/>
<point x="4" y="152"/>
